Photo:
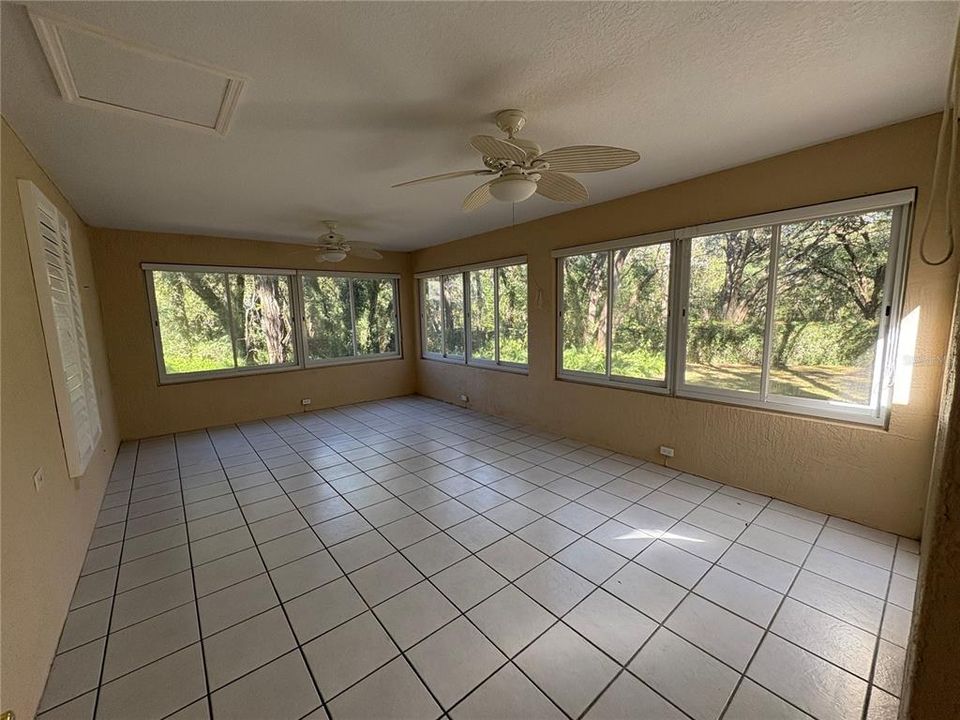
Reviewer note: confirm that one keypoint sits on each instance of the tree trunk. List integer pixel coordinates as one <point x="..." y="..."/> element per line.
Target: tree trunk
<point x="374" y="340"/>
<point x="210" y="297"/>
<point x="271" y="317"/>
<point x="596" y="287"/>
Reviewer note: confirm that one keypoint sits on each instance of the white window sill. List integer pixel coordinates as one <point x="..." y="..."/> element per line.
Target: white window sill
<point x="479" y="364"/>
<point x="312" y="365"/>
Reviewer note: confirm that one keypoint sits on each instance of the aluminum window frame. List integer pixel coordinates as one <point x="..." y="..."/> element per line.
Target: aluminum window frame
<point x="467" y="358"/>
<point x="876" y="413"/>
<point x="501" y="364"/>
<point x="356" y="357"/>
<point x="684" y="389"/>
<point x="607" y="378"/>
<point x="297" y="317"/>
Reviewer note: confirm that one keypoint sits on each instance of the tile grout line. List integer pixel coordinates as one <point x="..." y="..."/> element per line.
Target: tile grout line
<point x="283" y="609"/>
<point x="346" y="576"/>
<point x="70" y="608"/>
<point x="878" y="640"/>
<point x="113" y="598"/>
<point x="766" y="632"/>
<point x="425" y="578"/>
<point x="460" y="613"/>
<point x="663" y="624"/>
<point x="193" y="580"/>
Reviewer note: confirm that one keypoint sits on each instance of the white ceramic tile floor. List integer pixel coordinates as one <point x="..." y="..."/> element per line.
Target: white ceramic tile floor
<point x="408" y="558"/>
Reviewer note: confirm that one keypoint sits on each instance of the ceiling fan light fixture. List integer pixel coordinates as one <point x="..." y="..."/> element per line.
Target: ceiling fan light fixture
<point x="512" y="188"/>
<point x="333" y="256"/>
<point x="523" y="169"/>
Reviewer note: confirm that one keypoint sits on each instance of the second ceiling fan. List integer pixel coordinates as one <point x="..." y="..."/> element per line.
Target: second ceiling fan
<point x="521" y="168"/>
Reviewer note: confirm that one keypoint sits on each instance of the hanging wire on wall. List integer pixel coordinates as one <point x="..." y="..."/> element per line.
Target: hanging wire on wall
<point x="513" y="228"/>
<point x="946" y="162"/>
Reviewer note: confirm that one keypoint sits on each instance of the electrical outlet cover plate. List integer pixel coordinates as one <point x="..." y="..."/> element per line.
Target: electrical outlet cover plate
<point x="666" y="451"/>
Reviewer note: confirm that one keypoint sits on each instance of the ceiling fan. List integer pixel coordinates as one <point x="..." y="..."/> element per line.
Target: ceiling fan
<point x="333" y="246"/>
<point x="522" y="168"/>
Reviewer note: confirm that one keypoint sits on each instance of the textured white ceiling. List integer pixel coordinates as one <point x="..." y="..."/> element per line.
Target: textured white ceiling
<point x="346" y="99"/>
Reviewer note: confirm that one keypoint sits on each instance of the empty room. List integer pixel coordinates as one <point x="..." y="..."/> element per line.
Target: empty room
<point x="480" y="360"/>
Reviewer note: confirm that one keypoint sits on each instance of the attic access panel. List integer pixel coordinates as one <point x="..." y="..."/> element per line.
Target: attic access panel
<point x="96" y="69"/>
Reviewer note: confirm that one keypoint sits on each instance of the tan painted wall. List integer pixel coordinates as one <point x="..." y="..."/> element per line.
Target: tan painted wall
<point x="146" y="408"/>
<point x="43" y="536"/>
<point x="873" y="476"/>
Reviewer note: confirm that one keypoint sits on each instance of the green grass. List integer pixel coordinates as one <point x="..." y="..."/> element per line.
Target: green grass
<point x="205" y="357"/>
<point x="844" y="384"/>
<point x="821" y="382"/>
<point x="636" y="364"/>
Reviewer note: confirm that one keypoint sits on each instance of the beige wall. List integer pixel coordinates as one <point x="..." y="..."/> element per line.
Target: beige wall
<point x="146" y="408"/>
<point x="870" y="475"/>
<point x="43" y="535"/>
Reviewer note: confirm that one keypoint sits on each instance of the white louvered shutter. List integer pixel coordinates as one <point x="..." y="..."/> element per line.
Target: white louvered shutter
<point x="61" y="313"/>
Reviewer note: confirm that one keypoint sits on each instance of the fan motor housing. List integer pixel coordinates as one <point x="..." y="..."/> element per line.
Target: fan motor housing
<point x="511" y="121"/>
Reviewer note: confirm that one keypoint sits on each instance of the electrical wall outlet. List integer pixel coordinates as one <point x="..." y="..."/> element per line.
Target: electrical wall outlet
<point x="38" y="479"/>
<point x="666" y="451"/>
<point x="464" y="398"/>
<point x="306" y="401"/>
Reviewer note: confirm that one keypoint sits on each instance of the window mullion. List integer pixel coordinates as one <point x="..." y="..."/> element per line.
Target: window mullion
<point x="395" y="289"/>
<point x="233" y="338"/>
<point x="885" y="360"/>
<point x="673" y="315"/>
<point x="768" y="325"/>
<point x="422" y="312"/>
<point x="559" y="329"/>
<point x="443" y="317"/>
<point x="496" y="315"/>
<point x="683" y="308"/>
<point x="155" y="320"/>
<point x="609" y="363"/>
<point x="467" y="325"/>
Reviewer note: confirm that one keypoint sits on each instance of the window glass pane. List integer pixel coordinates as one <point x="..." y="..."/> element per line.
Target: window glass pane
<point x="829" y="303"/>
<point x="374" y="311"/>
<point x="194" y="321"/>
<point x="262" y="319"/>
<point x="482" y="310"/>
<point x="585" y="312"/>
<point x="453" y="314"/>
<point x="326" y="307"/>
<point x="641" y="291"/>
<point x="513" y="313"/>
<point x="726" y="309"/>
<point x="432" y="316"/>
